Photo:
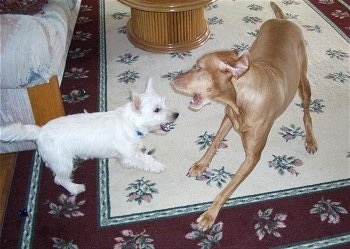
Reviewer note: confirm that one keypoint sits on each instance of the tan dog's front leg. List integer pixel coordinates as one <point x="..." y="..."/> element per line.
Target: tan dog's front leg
<point x="206" y="220"/>
<point x="305" y="94"/>
<point x="253" y="147"/>
<point x="198" y="167"/>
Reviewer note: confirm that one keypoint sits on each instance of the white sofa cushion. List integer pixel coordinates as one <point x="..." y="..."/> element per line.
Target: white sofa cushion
<point x="34" y="48"/>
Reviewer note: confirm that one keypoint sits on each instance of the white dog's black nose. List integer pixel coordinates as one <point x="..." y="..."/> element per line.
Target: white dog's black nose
<point x="175" y="115"/>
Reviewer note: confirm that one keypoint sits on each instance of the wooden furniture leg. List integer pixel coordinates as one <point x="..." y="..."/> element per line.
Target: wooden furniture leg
<point x="167" y="26"/>
<point x="46" y="101"/>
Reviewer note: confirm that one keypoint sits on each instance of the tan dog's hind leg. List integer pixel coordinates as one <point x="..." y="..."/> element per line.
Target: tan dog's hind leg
<point x="198" y="167"/>
<point x="253" y="147"/>
<point x="305" y="95"/>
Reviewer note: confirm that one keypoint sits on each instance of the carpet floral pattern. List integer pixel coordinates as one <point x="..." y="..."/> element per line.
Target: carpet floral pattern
<point x="291" y="200"/>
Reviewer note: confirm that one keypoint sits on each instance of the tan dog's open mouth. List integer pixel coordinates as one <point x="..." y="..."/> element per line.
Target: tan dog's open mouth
<point x="196" y="101"/>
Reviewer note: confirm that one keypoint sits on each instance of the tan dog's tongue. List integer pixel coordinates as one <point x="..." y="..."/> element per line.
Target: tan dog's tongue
<point x="196" y="100"/>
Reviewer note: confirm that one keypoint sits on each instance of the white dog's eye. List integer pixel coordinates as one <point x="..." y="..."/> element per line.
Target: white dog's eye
<point x="157" y="110"/>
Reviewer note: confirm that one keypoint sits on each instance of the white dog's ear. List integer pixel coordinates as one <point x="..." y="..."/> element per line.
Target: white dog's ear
<point x="239" y="68"/>
<point x="149" y="86"/>
<point x="136" y="101"/>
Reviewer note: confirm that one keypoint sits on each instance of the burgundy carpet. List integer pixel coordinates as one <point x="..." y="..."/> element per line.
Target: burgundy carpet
<point x="39" y="216"/>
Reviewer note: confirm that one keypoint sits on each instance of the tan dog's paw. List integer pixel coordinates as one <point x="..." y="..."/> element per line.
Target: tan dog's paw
<point x="311" y="146"/>
<point x="197" y="169"/>
<point x="205" y="221"/>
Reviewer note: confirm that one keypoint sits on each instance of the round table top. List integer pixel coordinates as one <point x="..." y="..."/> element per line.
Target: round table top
<point x="166" y="5"/>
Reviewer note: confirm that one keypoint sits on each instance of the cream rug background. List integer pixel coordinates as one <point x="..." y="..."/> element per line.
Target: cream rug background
<point x="233" y="24"/>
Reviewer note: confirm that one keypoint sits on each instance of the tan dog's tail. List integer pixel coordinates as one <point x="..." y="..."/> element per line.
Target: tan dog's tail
<point x="278" y="12"/>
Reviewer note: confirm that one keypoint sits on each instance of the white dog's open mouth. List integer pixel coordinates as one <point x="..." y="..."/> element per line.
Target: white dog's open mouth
<point x="167" y="127"/>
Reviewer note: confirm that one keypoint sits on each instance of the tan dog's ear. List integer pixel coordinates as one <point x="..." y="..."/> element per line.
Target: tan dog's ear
<point x="238" y="68"/>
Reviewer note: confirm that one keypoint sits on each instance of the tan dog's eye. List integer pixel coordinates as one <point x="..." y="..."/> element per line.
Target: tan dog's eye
<point x="197" y="67"/>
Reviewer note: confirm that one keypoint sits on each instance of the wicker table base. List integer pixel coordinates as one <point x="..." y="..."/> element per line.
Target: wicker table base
<point x="167" y="26"/>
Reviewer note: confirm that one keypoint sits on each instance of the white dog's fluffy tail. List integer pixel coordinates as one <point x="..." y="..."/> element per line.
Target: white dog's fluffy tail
<point x="19" y="132"/>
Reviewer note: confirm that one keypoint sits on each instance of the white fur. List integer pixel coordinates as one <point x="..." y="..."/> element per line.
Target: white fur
<point x="112" y="134"/>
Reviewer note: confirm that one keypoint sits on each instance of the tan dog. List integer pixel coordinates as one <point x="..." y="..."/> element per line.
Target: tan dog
<point x="256" y="87"/>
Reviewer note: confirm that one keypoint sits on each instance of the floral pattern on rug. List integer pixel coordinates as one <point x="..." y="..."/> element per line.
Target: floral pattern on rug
<point x="316" y="105"/>
<point x="77" y="73"/>
<point x="204" y="141"/>
<point x="141" y="190"/>
<point x="291" y="132"/>
<point x="128" y="76"/>
<point x="285" y="163"/>
<point x="61" y="244"/>
<point x="208" y="239"/>
<point x="67" y="207"/>
<point x="219" y="177"/>
<point x="328" y="210"/>
<point x="265" y="225"/>
<point x="130" y="239"/>
<point x="75" y="96"/>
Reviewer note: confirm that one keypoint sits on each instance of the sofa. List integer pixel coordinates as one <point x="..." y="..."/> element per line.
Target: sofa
<point x="34" y="49"/>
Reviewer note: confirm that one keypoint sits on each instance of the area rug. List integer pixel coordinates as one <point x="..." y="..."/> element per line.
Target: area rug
<point x="291" y="200"/>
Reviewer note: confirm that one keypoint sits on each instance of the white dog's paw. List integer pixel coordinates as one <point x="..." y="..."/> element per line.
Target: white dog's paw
<point x="144" y="162"/>
<point x="72" y="187"/>
<point x="77" y="189"/>
<point x="157" y="167"/>
<point x="127" y="164"/>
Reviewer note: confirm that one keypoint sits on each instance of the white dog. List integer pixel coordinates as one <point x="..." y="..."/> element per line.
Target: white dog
<point x="112" y="134"/>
